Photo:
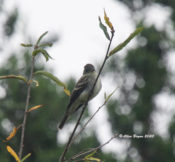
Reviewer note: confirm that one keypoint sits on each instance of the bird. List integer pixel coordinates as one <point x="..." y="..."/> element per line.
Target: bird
<point x="81" y="92"/>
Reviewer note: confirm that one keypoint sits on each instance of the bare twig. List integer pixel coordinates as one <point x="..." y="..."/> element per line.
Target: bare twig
<point x="92" y="149"/>
<point x="84" y="126"/>
<point x="70" y="138"/>
<point x="86" y="103"/>
<point x="26" y="107"/>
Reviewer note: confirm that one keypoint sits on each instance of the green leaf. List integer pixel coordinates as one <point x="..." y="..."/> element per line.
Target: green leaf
<point x="91" y="154"/>
<point x="104" y="28"/>
<point x="110" y="95"/>
<point x="51" y="76"/>
<point x="20" y="77"/>
<point x="25" y="157"/>
<point x="93" y="159"/>
<point x="46" y="45"/>
<point x="43" y="51"/>
<point x="55" y="79"/>
<point x="45" y="54"/>
<point x="26" y="45"/>
<point x="90" y="158"/>
<point x="39" y="40"/>
<point x="121" y="45"/>
<point x="36" y="51"/>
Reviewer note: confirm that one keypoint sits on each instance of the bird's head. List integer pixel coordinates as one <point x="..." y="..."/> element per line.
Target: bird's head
<point x="88" y="68"/>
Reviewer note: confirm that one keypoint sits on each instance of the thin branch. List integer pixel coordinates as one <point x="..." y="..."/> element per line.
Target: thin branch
<point x="26" y="107"/>
<point x="70" y="138"/>
<point x="86" y="103"/>
<point x="92" y="149"/>
<point x="84" y="126"/>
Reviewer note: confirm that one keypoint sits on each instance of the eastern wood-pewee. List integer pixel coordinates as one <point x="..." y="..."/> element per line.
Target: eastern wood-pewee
<point x="81" y="91"/>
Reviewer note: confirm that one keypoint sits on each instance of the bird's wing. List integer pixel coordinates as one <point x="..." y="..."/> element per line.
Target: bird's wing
<point x="79" y="88"/>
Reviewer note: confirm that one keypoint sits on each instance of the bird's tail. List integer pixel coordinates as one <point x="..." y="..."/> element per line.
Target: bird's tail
<point x="63" y="122"/>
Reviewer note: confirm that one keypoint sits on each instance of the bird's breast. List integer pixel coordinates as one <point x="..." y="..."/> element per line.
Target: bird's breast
<point x="97" y="87"/>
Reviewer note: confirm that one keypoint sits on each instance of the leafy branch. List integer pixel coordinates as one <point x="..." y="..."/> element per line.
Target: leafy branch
<point x="107" y="55"/>
<point x="86" y="103"/>
<point x="88" y="121"/>
<point x="92" y="149"/>
<point x="34" y="53"/>
<point x="38" y="48"/>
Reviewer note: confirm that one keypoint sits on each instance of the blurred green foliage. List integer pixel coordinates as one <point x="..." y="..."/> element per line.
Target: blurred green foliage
<point x="144" y="76"/>
<point x="131" y="114"/>
<point x="41" y="129"/>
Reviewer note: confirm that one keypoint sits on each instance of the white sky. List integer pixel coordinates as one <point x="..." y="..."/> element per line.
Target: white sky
<point x="81" y="39"/>
<point x="76" y="21"/>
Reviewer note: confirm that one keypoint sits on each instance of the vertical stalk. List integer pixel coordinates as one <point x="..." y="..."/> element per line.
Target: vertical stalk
<point x="26" y="108"/>
<point x="86" y="103"/>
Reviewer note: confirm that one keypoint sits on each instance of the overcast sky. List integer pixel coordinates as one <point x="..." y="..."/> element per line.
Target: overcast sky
<point x="81" y="40"/>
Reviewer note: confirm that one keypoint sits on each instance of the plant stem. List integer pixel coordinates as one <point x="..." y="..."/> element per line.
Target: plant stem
<point x="84" y="126"/>
<point x="86" y="103"/>
<point x="92" y="149"/>
<point x="26" y="108"/>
